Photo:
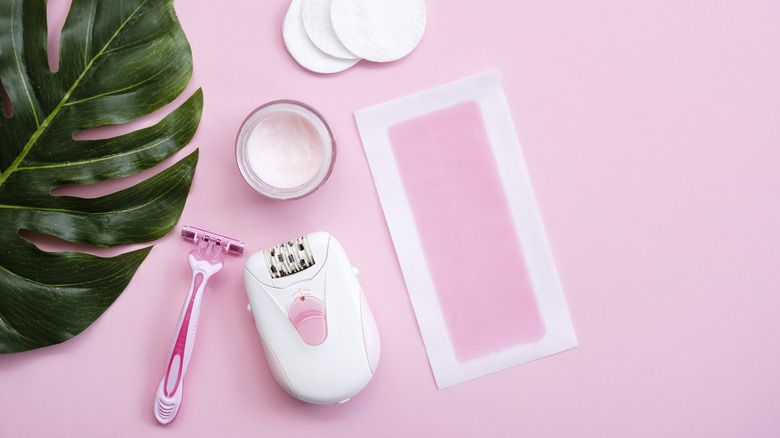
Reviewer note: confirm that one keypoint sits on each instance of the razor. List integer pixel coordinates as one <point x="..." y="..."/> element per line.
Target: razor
<point x="205" y="261"/>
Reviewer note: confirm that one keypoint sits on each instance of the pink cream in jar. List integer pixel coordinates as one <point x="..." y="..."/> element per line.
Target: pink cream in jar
<point x="285" y="149"/>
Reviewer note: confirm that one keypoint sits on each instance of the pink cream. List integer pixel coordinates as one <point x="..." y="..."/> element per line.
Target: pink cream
<point x="285" y="150"/>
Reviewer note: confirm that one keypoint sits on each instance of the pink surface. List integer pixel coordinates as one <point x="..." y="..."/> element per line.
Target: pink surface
<point x="651" y="135"/>
<point x="461" y="214"/>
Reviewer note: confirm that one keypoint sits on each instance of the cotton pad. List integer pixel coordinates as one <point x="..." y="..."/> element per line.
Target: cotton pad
<point x="303" y="50"/>
<point x="316" y="21"/>
<point x="379" y="30"/>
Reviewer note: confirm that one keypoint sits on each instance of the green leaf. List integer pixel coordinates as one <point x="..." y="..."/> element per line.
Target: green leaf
<point x="119" y="60"/>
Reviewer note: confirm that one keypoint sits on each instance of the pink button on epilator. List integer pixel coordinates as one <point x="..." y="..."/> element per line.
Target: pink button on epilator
<point x="308" y="316"/>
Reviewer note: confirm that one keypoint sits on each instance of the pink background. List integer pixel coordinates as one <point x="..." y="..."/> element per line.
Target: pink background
<point x="651" y="131"/>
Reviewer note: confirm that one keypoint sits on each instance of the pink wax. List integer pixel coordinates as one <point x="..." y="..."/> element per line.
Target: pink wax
<point x="285" y="150"/>
<point x="462" y="217"/>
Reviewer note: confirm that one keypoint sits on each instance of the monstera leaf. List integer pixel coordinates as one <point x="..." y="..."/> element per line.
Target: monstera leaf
<point x="119" y="60"/>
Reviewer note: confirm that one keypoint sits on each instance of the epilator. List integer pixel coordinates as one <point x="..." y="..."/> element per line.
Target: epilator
<point x="317" y="331"/>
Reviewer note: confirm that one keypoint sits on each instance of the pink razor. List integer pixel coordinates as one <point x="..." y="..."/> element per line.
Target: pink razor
<point x="205" y="261"/>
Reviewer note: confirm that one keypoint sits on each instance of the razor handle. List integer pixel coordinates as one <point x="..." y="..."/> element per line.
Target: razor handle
<point x="169" y="393"/>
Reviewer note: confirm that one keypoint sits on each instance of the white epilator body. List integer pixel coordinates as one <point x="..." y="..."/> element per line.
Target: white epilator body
<point x="317" y="331"/>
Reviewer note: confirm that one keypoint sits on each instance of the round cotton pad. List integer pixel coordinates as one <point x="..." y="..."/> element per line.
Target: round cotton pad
<point x="303" y="50"/>
<point x="379" y="30"/>
<point x="316" y="21"/>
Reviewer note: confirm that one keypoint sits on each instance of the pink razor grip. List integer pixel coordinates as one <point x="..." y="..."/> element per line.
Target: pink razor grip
<point x="169" y="393"/>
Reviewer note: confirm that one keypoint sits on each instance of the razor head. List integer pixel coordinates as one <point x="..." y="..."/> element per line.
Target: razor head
<point x="288" y="258"/>
<point x="230" y="245"/>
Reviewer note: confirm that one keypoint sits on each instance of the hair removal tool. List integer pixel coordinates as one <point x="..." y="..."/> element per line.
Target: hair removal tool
<point x="205" y="261"/>
<point x="317" y="331"/>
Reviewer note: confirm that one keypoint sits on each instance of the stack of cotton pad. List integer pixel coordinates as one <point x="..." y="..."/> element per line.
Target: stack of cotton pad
<point x="329" y="36"/>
